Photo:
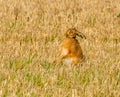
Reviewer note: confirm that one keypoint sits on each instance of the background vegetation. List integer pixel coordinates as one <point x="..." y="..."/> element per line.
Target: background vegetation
<point x="30" y="35"/>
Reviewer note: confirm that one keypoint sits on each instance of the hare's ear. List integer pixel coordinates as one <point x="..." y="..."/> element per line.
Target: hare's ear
<point x="81" y="35"/>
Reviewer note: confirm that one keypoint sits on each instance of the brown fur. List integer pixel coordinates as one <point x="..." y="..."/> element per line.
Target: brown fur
<point x="71" y="51"/>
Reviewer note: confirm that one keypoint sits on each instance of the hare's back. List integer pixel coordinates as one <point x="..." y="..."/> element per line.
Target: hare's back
<point x="68" y="42"/>
<point x="72" y="45"/>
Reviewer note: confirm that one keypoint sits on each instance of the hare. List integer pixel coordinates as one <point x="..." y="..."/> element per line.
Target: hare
<point x="71" y="52"/>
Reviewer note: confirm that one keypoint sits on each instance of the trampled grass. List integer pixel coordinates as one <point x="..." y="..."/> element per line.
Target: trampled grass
<point x="30" y="35"/>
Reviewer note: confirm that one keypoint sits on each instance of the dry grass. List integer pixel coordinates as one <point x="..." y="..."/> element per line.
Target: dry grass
<point x="30" y="35"/>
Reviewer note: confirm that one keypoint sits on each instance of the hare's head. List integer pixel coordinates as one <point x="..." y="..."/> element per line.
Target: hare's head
<point x="73" y="32"/>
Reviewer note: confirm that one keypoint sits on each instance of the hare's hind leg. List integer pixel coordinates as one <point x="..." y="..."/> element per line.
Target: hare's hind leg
<point x="64" y="52"/>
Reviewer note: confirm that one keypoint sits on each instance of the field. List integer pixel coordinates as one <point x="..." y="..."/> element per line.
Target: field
<point x="31" y="32"/>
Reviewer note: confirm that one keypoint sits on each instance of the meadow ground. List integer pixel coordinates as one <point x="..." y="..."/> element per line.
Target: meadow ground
<point x="30" y="35"/>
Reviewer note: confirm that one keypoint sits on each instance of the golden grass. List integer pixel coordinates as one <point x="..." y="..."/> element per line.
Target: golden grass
<point x="30" y="35"/>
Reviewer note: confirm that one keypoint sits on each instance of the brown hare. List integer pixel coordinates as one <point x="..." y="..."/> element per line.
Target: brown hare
<point x="71" y="52"/>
